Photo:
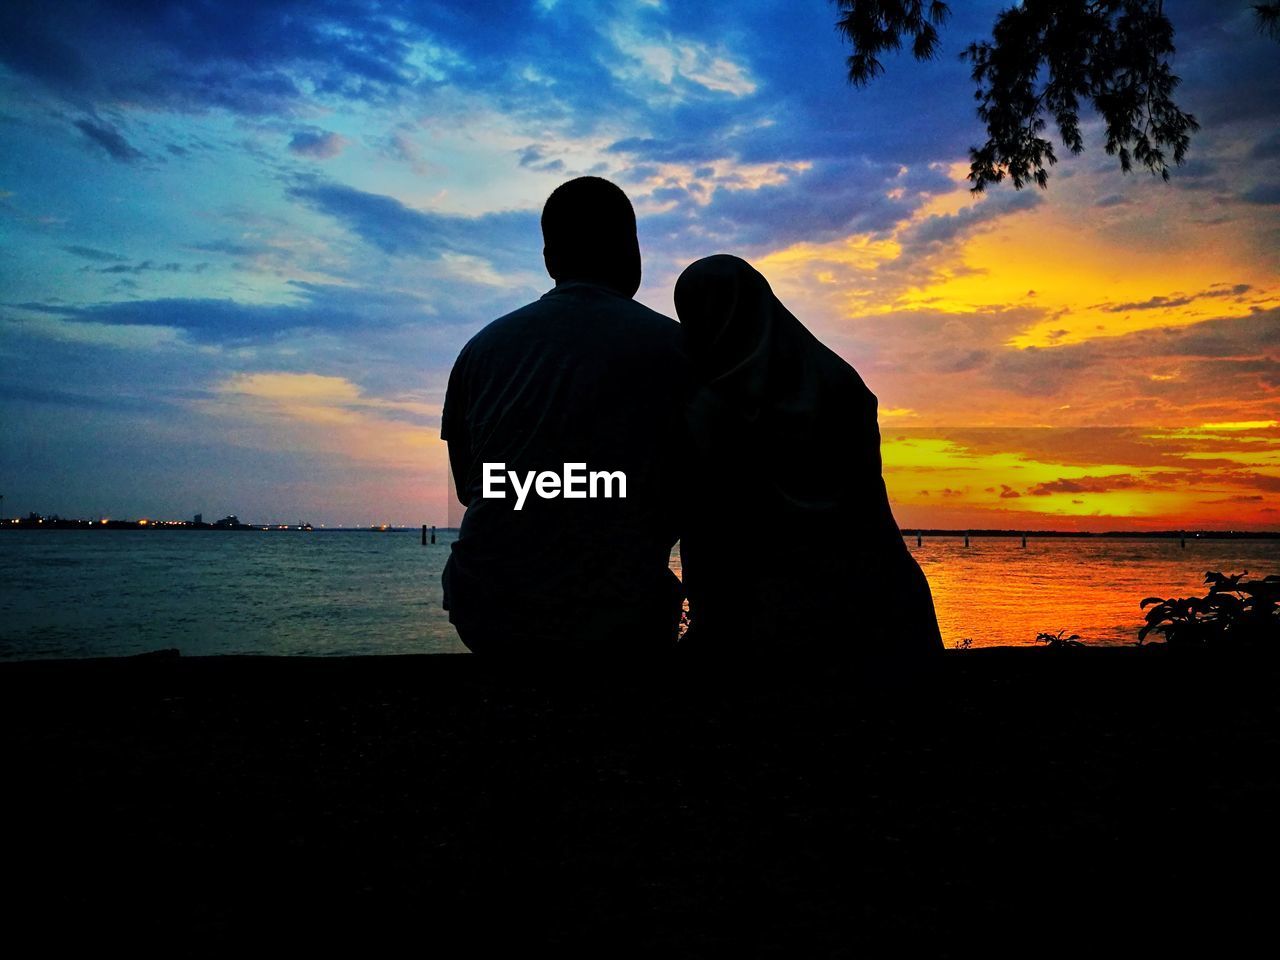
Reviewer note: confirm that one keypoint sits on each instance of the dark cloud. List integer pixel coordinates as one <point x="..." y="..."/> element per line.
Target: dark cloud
<point x="110" y="140"/>
<point x="64" y="398"/>
<point x="1153" y="303"/>
<point x="1042" y="371"/>
<point x="1228" y="69"/>
<point x="534" y="157"/>
<point x="1263" y="194"/>
<point x="831" y="199"/>
<point x="1121" y="481"/>
<point x="803" y="108"/>
<point x="317" y="144"/>
<point x="682" y="150"/>
<point x="1197" y="168"/>
<point x="92" y="253"/>
<point x="951" y="362"/>
<point x="28" y="50"/>
<point x="151" y="266"/>
<point x="1008" y="493"/>
<point x="1159" y="302"/>
<point x="1225" y="337"/>
<point x="924" y="179"/>
<point x="667" y="194"/>
<point x="1266" y="149"/>
<point x="318" y="306"/>
<point x="239" y="55"/>
<point x="1198" y="173"/>
<point x="1214" y="356"/>
<point x="399" y="145"/>
<point x="945" y="228"/>
<point x="1112" y="200"/>
<point x="394" y="228"/>
<point x="232" y="248"/>
<point x="204" y="319"/>
<point x="1259" y="481"/>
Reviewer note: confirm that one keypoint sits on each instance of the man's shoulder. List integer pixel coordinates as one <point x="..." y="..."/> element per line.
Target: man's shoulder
<point x="496" y="327"/>
<point x="585" y="303"/>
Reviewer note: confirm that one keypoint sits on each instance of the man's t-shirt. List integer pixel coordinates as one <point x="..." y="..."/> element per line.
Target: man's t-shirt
<point x="581" y="376"/>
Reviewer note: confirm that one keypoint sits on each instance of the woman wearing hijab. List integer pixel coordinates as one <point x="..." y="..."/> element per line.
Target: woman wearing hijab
<point x="785" y="439"/>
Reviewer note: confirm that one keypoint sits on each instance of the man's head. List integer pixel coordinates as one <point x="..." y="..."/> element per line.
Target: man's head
<point x="589" y="233"/>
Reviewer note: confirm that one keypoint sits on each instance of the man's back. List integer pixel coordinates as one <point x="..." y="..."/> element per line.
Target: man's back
<point x="582" y="376"/>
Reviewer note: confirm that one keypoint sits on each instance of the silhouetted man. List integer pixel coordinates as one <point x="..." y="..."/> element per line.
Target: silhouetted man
<point x="564" y="422"/>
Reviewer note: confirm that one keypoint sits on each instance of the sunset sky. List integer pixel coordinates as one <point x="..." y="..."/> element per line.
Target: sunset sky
<point x="244" y="241"/>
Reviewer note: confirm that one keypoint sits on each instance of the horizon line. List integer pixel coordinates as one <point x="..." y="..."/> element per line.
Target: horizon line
<point x="38" y="520"/>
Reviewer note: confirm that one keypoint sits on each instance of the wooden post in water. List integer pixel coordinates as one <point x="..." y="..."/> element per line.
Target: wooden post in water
<point x="1024" y="541"/>
<point x="1182" y="537"/>
<point x="919" y="538"/>
<point x="433" y="535"/>
<point x="424" y="534"/>
<point x="966" y="538"/>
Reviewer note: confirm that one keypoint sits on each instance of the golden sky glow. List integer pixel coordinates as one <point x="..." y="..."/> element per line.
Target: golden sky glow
<point x="1042" y="315"/>
<point x="245" y="296"/>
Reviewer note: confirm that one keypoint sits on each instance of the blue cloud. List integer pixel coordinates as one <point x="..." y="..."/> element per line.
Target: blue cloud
<point x="394" y="228"/>
<point x="239" y="55"/>
<point x="110" y="140"/>
<point x="150" y="266"/>
<point x="1266" y="148"/>
<point x="318" y="307"/>
<point x="18" y="392"/>
<point x="232" y="248"/>
<point x="92" y="253"/>
<point x="829" y="200"/>
<point x="1263" y="194"/>
<point x="947" y="227"/>
<point x="318" y="144"/>
<point x="1111" y="200"/>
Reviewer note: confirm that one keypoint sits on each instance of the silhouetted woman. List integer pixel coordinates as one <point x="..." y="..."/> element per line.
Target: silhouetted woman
<point x="791" y="545"/>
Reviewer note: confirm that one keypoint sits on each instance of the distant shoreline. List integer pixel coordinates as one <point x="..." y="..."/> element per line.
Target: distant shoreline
<point x="47" y="523"/>
<point x="908" y="532"/>
<point x="1106" y="534"/>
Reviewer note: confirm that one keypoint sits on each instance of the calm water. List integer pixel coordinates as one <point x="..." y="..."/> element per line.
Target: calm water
<point x="92" y="593"/>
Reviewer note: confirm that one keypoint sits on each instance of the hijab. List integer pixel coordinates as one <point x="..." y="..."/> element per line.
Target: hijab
<point x="805" y="416"/>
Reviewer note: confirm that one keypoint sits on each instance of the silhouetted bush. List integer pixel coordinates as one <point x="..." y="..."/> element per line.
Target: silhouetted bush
<point x="1057" y="641"/>
<point x="1235" y="613"/>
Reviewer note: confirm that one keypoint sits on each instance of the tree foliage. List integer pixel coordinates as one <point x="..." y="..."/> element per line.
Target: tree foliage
<point x="1048" y="59"/>
<point x="1235" y="613"/>
<point x="1268" y="15"/>
<point x="874" y="26"/>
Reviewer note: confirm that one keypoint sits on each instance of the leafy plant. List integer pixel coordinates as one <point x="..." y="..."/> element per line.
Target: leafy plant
<point x="1057" y="641"/>
<point x="963" y="644"/>
<point x="1049" y="60"/>
<point x="1236" y="612"/>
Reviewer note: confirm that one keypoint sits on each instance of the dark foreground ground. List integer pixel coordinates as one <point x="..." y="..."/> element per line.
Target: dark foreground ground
<point x="1096" y="802"/>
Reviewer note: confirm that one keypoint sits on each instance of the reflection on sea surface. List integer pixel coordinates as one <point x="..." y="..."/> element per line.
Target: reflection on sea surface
<point x="85" y="593"/>
<point x="998" y="593"/>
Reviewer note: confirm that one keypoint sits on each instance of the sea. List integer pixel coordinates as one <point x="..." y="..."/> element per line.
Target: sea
<point x="87" y="593"/>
